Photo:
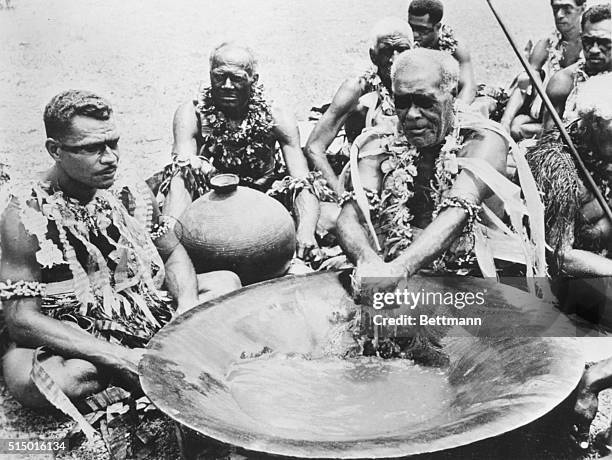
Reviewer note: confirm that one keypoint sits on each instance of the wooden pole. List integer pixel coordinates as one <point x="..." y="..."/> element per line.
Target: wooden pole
<point x="536" y="82"/>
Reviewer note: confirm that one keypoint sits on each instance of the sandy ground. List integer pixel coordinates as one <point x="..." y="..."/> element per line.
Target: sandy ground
<point x="148" y="56"/>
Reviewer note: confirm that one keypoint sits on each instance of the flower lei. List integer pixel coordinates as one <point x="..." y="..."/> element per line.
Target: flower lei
<point x="237" y="149"/>
<point x="446" y="40"/>
<point x="10" y="290"/>
<point x="556" y="51"/>
<point x="375" y="84"/>
<point x="399" y="173"/>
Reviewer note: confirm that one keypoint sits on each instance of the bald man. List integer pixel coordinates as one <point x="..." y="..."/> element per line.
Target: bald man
<point x="231" y="128"/>
<point x="364" y="101"/>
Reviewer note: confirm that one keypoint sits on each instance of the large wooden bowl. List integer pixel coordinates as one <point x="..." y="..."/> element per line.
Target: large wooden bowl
<point x="507" y="376"/>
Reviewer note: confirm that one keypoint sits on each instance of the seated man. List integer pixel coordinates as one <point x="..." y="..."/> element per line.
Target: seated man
<point x="523" y="114"/>
<point x="426" y="185"/>
<point x="577" y="229"/>
<point x="231" y="128"/>
<point x="597" y="48"/>
<point x="80" y="274"/>
<point x="425" y="16"/>
<point x="361" y="102"/>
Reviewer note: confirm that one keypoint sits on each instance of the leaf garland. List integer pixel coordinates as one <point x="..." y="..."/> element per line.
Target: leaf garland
<point x="375" y="84"/>
<point x="123" y="292"/>
<point x="446" y="40"/>
<point x="556" y="51"/>
<point x="399" y="173"/>
<point x="243" y="149"/>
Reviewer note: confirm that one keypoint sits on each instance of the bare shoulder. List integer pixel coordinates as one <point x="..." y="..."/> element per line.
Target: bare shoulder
<point x="539" y="55"/>
<point x="186" y="110"/>
<point x="462" y="53"/>
<point x="347" y="97"/>
<point x="185" y="118"/>
<point x="17" y="245"/>
<point x="560" y="84"/>
<point x="369" y="172"/>
<point x="487" y="145"/>
<point x="285" y="123"/>
<point x="283" y="117"/>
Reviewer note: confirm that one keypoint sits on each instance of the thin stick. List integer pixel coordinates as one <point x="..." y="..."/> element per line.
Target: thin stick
<point x="536" y="82"/>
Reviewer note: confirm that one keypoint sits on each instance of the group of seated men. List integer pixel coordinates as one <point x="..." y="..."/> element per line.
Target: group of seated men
<point x="84" y="258"/>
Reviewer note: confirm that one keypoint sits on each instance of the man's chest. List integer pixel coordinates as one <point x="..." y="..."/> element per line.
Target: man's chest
<point x="570" y="53"/>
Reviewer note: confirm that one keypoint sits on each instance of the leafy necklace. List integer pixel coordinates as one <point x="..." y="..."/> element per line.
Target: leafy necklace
<point x="399" y="172"/>
<point x="244" y="148"/>
<point x="446" y="40"/>
<point x="375" y="84"/>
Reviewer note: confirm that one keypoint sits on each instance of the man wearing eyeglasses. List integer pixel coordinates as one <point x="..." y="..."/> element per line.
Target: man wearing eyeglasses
<point x="83" y="265"/>
<point x="417" y="195"/>
<point x="597" y="47"/>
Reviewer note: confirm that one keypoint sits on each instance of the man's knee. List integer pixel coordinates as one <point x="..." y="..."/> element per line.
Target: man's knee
<point x="218" y="282"/>
<point x="75" y="377"/>
<point x="529" y="130"/>
<point x="328" y="218"/>
<point x="516" y="128"/>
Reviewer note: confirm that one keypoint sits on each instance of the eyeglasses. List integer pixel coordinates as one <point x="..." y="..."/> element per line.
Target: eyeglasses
<point x="235" y="77"/>
<point x="405" y="101"/>
<point x="97" y="148"/>
<point x="602" y="43"/>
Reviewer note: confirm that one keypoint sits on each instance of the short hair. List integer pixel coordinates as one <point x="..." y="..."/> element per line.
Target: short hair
<point x="415" y="58"/>
<point x="390" y="26"/>
<point x="594" y="98"/>
<point x="596" y="13"/>
<point x="434" y="8"/>
<point x="66" y="105"/>
<point x="251" y="64"/>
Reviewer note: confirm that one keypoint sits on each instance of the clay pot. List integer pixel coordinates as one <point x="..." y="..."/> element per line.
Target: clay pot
<point x="239" y="229"/>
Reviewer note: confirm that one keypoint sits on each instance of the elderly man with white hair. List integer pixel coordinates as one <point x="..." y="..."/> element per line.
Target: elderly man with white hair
<point x="364" y="101"/>
<point x="418" y="194"/>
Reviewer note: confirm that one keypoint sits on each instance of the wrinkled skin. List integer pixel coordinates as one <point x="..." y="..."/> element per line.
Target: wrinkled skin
<point x="384" y="53"/>
<point x="232" y="80"/>
<point x="425" y="112"/>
